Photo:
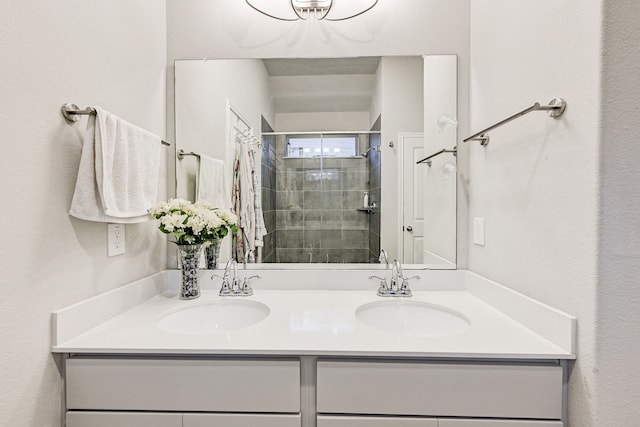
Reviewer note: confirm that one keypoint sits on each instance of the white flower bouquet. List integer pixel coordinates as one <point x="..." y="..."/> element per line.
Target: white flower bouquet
<point x="194" y="223"/>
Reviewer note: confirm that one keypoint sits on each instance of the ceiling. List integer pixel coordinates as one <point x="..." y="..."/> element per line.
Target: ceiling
<point x="322" y="84"/>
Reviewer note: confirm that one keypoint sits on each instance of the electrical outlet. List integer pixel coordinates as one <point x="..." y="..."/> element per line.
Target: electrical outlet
<point x="115" y="239"/>
<point x="478" y="231"/>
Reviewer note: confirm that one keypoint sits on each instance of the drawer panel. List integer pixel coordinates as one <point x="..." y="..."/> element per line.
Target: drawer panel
<point x="122" y="419"/>
<point x="353" y="421"/>
<point x="241" y="420"/>
<point x="440" y="389"/>
<point x="214" y="385"/>
<point x="498" y="423"/>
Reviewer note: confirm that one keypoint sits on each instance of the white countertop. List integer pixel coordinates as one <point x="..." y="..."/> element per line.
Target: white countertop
<point x="319" y="322"/>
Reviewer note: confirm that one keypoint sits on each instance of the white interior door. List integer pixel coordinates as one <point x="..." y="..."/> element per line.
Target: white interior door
<point x="413" y="198"/>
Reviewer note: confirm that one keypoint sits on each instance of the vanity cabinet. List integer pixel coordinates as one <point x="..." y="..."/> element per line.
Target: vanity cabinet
<point x="527" y="391"/>
<point x="242" y="392"/>
<point x="359" y="421"/>
<point x="193" y="391"/>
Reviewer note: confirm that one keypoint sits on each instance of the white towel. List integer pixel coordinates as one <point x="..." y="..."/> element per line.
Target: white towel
<point x="118" y="174"/>
<point x="211" y="185"/>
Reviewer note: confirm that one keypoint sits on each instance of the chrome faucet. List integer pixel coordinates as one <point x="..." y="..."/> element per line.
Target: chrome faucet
<point x="231" y="285"/>
<point x="399" y="285"/>
<point x="229" y="288"/>
<point x="396" y="275"/>
<point x="245" y="288"/>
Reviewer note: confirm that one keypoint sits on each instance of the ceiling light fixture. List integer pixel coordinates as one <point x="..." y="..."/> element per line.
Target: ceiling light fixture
<point x="328" y="10"/>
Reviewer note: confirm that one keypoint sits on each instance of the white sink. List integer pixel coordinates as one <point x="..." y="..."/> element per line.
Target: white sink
<point x="413" y="318"/>
<point x="215" y="316"/>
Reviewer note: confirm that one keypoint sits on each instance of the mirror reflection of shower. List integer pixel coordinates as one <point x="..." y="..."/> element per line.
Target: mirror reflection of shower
<point x="321" y="196"/>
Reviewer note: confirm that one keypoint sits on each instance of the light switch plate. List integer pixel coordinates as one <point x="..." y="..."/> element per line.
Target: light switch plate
<point x="115" y="239"/>
<point x="478" y="231"/>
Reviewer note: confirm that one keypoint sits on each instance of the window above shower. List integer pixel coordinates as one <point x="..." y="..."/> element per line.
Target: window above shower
<point x="322" y="146"/>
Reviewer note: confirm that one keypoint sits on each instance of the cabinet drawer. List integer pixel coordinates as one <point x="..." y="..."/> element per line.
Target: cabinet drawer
<point x="335" y="421"/>
<point x="122" y="419"/>
<point x="498" y="423"/>
<point x="215" y="385"/>
<point x="241" y="420"/>
<point x="440" y="389"/>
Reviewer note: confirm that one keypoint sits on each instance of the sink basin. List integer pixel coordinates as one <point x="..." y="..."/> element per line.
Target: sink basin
<point x="413" y="318"/>
<point x="215" y="316"/>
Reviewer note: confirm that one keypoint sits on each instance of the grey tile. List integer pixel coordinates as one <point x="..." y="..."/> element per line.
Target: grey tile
<point x="355" y="181"/>
<point x="289" y="200"/>
<point x="313" y="220"/>
<point x="355" y="220"/>
<point x="289" y="220"/>
<point x="331" y="200"/>
<point x="312" y="200"/>
<point x="352" y="199"/>
<point x="312" y="180"/>
<point x="332" y="239"/>
<point x="332" y="179"/>
<point x="332" y="219"/>
<point x="355" y="165"/>
<point x="289" y="180"/>
<point x="291" y="256"/>
<point x="312" y="239"/>
<point x="290" y="239"/>
<point x="312" y="163"/>
<point x="329" y="163"/>
<point x="355" y="256"/>
<point x="355" y="239"/>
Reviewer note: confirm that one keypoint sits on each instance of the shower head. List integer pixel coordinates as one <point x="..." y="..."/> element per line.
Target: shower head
<point x="366" y="153"/>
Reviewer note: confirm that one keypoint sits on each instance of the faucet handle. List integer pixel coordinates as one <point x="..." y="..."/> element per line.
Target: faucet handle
<point x="225" y="289"/>
<point x="383" y="290"/>
<point x="246" y="289"/>
<point x="404" y="288"/>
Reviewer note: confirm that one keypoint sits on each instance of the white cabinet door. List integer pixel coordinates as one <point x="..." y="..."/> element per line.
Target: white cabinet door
<point x="182" y="385"/>
<point x="497" y="423"/>
<point x="510" y="391"/>
<point x="241" y="420"/>
<point x="122" y="419"/>
<point x="346" y="421"/>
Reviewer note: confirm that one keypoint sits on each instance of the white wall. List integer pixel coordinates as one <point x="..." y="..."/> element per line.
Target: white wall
<point x="440" y="100"/>
<point x="311" y="122"/>
<point x="229" y="29"/>
<point x="110" y="54"/>
<point x="618" y="294"/>
<point x="202" y="91"/>
<point x="537" y="183"/>
<point x="401" y="104"/>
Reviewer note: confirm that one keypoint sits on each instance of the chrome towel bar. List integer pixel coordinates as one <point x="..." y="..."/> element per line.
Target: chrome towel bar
<point x="427" y="159"/>
<point x="181" y="154"/>
<point x="555" y="109"/>
<point x="71" y="113"/>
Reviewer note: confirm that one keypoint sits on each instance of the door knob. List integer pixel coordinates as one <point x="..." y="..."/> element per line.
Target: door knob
<point x="409" y="228"/>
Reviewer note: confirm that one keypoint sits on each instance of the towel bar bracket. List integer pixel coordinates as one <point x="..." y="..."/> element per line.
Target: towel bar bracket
<point x="556" y="107"/>
<point x="72" y="112"/>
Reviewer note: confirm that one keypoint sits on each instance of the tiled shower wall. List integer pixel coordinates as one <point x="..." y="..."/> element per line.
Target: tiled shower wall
<point x="375" y="184"/>
<point x="316" y="203"/>
<point x="269" y="193"/>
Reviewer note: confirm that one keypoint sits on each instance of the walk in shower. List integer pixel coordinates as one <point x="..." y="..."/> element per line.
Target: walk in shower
<point x="321" y="197"/>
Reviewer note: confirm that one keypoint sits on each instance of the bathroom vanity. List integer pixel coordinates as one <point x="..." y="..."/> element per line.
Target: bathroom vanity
<point x="317" y="356"/>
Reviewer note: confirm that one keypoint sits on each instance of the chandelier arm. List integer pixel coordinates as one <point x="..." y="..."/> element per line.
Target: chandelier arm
<point x="271" y="16"/>
<point x="298" y="13"/>
<point x="352" y="16"/>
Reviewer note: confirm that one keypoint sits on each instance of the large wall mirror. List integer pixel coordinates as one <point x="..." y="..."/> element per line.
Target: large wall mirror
<point x="334" y="146"/>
